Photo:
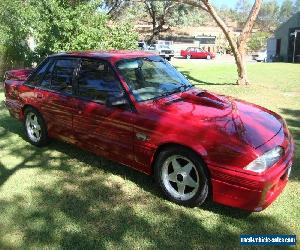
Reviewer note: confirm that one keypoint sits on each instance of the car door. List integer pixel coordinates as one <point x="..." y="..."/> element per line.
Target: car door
<point x="107" y="131"/>
<point x="193" y="53"/>
<point x="199" y="53"/>
<point x="55" y="97"/>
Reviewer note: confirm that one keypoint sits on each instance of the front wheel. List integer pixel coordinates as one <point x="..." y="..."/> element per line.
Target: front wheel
<point x="182" y="176"/>
<point x="208" y="57"/>
<point x="35" y="127"/>
<point x="188" y="56"/>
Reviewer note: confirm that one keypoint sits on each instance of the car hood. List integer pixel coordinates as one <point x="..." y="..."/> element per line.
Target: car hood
<point x="252" y="124"/>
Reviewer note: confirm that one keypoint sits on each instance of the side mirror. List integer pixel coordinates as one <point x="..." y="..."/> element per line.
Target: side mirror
<point x="117" y="101"/>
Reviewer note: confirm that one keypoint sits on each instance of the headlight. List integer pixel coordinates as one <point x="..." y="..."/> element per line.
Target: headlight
<point x="265" y="161"/>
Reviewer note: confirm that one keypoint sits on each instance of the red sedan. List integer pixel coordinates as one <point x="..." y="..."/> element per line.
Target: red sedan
<point x="193" y="52"/>
<point x="136" y="109"/>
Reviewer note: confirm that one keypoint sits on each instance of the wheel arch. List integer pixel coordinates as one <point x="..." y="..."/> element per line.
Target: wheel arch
<point x="199" y="151"/>
<point x="28" y="106"/>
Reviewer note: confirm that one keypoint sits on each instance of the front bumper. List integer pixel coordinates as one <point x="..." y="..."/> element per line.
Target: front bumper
<point x="251" y="192"/>
<point x="166" y="55"/>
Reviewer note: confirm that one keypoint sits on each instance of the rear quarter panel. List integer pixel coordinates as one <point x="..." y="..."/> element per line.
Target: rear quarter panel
<point x="17" y="96"/>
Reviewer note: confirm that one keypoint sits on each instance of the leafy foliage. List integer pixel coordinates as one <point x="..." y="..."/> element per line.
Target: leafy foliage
<point x="286" y="10"/>
<point x="268" y="17"/>
<point x="14" y="17"/>
<point x="297" y="5"/>
<point x="258" y="40"/>
<point x="56" y="26"/>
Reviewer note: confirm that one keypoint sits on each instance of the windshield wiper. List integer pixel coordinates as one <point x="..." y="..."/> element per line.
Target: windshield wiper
<point x="179" y="88"/>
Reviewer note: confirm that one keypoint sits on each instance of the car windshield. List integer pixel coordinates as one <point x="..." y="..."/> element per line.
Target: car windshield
<point x="164" y="46"/>
<point x="152" y="77"/>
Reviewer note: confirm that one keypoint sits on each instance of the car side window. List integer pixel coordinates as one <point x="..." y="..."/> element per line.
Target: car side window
<point x="46" y="82"/>
<point x="62" y="75"/>
<point x="36" y="78"/>
<point x="97" y="81"/>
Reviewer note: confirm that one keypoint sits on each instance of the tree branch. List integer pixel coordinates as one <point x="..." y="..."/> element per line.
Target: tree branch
<point x="246" y="32"/>
<point x="220" y="23"/>
<point x="193" y="3"/>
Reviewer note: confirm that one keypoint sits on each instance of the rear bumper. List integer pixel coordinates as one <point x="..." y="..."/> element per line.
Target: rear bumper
<point x="251" y="192"/>
<point x="14" y="109"/>
<point x="166" y="55"/>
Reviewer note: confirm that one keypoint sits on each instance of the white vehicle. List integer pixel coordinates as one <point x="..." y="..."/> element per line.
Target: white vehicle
<point x="162" y="50"/>
<point x="142" y="45"/>
<point x="261" y="56"/>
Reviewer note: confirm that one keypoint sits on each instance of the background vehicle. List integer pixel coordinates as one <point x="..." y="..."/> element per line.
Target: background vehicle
<point x="165" y="42"/>
<point x="197" y="53"/>
<point x="142" y="45"/>
<point x="162" y="50"/>
<point x="260" y="56"/>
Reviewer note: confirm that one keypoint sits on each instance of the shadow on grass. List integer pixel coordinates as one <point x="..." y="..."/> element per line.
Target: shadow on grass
<point x="293" y="122"/>
<point x="89" y="209"/>
<point x="200" y="82"/>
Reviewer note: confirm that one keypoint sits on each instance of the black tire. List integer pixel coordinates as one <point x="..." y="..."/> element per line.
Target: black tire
<point x="43" y="138"/>
<point x="188" y="57"/>
<point x="201" y="193"/>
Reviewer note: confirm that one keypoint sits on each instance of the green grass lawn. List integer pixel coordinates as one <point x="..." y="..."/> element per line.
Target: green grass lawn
<point x="62" y="197"/>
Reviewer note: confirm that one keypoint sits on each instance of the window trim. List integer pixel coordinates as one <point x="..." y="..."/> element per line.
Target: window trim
<point x="86" y="99"/>
<point x="76" y="72"/>
<point x="34" y="73"/>
<point x="74" y="78"/>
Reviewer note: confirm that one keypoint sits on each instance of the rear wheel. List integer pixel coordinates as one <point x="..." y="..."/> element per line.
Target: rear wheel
<point x="35" y="127"/>
<point x="182" y="176"/>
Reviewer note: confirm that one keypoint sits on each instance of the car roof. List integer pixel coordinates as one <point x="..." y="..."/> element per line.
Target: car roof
<point x="111" y="55"/>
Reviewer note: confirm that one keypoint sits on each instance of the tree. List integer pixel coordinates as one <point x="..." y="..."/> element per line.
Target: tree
<point x="160" y="12"/>
<point x="238" y="45"/>
<point x="258" y="40"/>
<point x="115" y="8"/>
<point x="297" y="6"/>
<point x="14" y="31"/>
<point x="286" y="10"/>
<point x="268" y="16"/>
<point x="58" y="26"/>
<point x="242" y="8"/>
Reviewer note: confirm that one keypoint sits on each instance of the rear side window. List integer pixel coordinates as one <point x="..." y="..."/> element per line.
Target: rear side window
<point x="39" y="74"/>
<point x="62" y="75"/>
<point x="46" y="82"/>
<point x="97" y="81"/>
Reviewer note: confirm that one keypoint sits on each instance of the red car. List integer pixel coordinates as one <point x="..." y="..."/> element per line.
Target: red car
<point x="193" y="52"/>
<point x="136" y="109"/>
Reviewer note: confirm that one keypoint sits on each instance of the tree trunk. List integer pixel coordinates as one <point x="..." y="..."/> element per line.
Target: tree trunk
<point x="241" y="67"/>
<point x="238" y="46"/>
<point x="242" y="72"/>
